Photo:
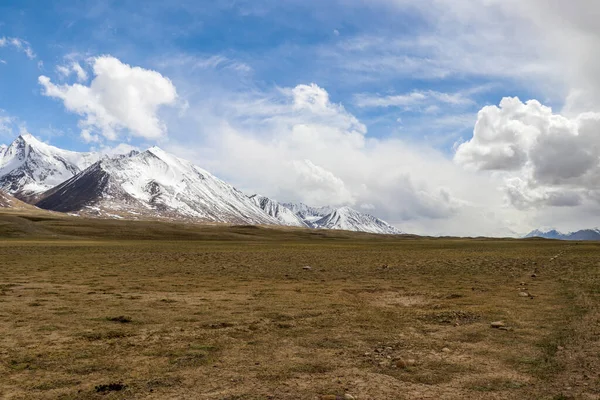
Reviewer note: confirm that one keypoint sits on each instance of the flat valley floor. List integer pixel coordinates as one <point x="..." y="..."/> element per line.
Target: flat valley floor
<point x="93" y="309"/>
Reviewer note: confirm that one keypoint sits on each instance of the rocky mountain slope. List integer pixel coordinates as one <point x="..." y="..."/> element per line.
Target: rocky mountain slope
<point x="154" y="184"/>
<point x="9" y="202"/>
<point x="284" y="215"/>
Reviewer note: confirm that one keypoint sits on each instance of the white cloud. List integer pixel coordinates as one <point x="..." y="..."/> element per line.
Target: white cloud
<point x="18" y="44"/>
<point x="6" y="123"/>
<point x="73" y="68"/>
<point x="551" y="46"/>
<point x="423" y="98"/>
<point x="121" y="148"/>
<point x="216" y="62"/>
<point x="295" y="144"/>
<point x="546" y="158"/>
<point x="120" y="97"/>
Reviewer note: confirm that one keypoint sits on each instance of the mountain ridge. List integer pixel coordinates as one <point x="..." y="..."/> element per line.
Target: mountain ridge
<point x="155" y="184"/>
<point x="152" y="184"/>
<point x="29" y="167"/>
<point x="342" y="218"/>
<point x="582" y="234"/>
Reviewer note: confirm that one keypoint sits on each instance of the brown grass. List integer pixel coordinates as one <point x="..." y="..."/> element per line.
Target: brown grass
<point x="104" y="309"/>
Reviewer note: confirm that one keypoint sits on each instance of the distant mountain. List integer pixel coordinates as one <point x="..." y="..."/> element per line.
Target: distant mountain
<point x="347" y="219"/>
<point x="584" y="234"/>
<point x="29" y="167"/>
<point x="284" y="215"/>
<point x="308" y="214"/>
<point x="344" y="218"/>
<point x="153" y="184"/>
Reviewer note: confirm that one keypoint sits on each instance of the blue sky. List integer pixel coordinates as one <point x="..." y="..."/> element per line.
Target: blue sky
<point x="281" y="43"/>
<point x="365" y="103"/>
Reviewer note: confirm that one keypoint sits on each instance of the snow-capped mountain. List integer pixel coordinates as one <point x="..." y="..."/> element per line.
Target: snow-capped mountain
<point x="584" y="234"/>
<point x="29" y="167"/>
<point x="307" y="213"/>
<point x="344" y="218"/>
<point x="284" y="215"/>
<point x="347" y="219"/>
<point x="153" y="184"/>
<point x="149" y="184"/>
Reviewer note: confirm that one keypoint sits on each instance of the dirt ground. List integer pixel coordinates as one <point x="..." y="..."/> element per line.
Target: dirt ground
<point x="97" y="310"/>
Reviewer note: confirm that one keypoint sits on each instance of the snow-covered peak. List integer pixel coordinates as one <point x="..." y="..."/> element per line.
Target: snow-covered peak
<point x="29" y="166"/>
<point x="276" y="210"/>
<point x="154" y="183"/>
<point x="348" y="219"/>
<point x="342" y="218"/>
<point x="308" y="213"/>
<point x="583" y="234"/>
<point x="32" y="140"/>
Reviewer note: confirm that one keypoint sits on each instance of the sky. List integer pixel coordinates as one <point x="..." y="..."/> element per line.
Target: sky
<point x="442" y="117"/>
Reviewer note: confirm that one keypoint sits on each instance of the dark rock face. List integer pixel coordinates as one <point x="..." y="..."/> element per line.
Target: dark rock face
<point x="77" y="192"/>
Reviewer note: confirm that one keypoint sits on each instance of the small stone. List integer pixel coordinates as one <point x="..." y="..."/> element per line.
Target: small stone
<point x="560" y="348"/>
<point x="367" y="354"/>
<point x="534" y="275"/>
<point x="524" y="294"/>
<point x="307" y="268"/>
<point x="401" y="363"/>
<point x="348" y="396"/>
<point x="389" y="348"/>
<point x="497" y="324"/>
<point x="410" y="362"/>
<point x="446" y="350"/>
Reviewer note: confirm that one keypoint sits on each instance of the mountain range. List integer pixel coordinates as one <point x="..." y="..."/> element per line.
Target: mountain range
<point x="151" y="184"/>
<point x="29" y="167"/>
<point x="343" y="218"/>
<point x="584" y="234"/>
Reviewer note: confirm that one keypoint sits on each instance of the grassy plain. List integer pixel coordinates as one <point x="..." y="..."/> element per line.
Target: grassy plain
<point x="130" y="310"/>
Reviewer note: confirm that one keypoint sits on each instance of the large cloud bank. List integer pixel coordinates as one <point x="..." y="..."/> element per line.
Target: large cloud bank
<point x="547" y="159"/>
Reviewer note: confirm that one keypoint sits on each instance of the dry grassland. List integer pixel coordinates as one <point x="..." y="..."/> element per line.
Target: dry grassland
<point x="131" y="310"/>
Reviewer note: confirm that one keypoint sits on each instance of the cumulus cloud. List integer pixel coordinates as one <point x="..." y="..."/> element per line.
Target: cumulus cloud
<point x="547" y="158"/>
<point x="19" y="45"/>
<point x="120" y="97"/>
